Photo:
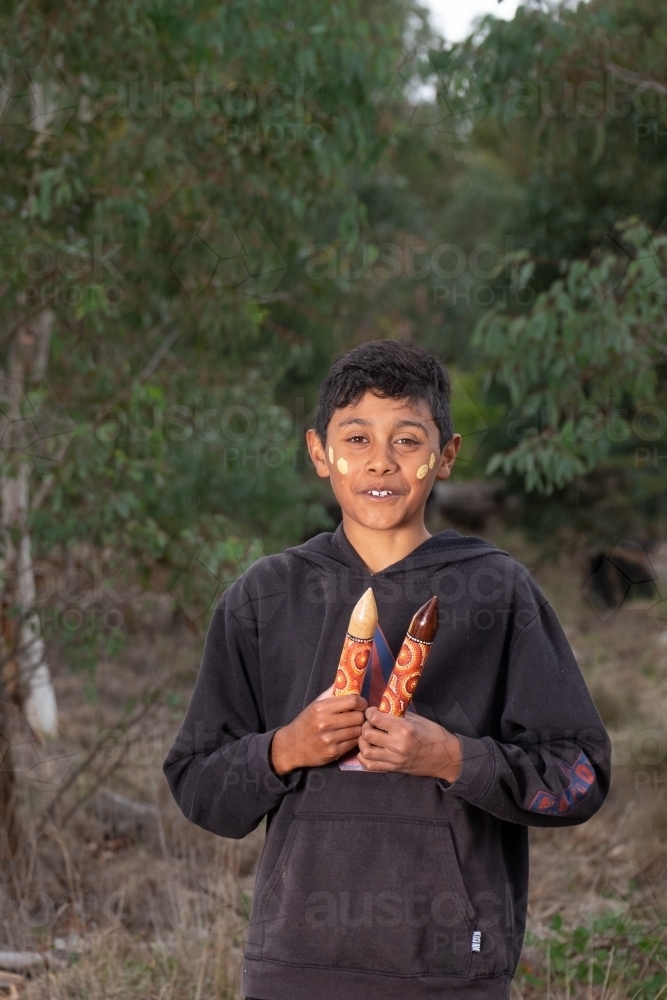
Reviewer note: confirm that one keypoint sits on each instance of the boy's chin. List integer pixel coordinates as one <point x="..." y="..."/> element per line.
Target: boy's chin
<point x="381" y="519"/>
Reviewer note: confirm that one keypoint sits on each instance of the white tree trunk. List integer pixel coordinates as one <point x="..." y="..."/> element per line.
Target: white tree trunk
<point x="40" y="705"/>
<point x="28" y="355"/>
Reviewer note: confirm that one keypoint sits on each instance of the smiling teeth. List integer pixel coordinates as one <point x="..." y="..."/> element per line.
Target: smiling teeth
<point x="381" y="493"/>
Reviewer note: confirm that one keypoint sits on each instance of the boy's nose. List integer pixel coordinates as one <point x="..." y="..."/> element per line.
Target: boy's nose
<point x="381" y="461"/>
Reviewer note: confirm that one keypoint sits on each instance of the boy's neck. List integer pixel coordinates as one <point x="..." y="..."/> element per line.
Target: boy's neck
<point x="379" y="548"/>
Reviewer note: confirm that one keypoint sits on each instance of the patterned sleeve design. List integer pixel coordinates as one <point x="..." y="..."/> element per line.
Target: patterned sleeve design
<point x="582" y="779"/>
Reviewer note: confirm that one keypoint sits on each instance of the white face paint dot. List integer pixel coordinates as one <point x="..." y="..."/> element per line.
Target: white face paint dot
<point x="342" y="466"/>
<point x="330" y="454"/>
<point x="421" y="471"/>
<point x="431" y="461"/>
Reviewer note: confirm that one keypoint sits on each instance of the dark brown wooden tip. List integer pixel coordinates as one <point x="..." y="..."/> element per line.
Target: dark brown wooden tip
<point x="425" y="623"/>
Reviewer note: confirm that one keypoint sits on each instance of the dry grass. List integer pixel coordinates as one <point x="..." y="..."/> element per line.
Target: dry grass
<point x="156" y="912"/>
<point x="161" y="913"/>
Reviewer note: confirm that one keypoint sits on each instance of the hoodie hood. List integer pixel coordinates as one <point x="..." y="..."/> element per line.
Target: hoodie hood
<point x="330" y="551"/>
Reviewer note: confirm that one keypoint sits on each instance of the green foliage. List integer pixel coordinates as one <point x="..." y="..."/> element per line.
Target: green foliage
<point x="572" y="112"/>
<point x="224" y="198"/>
<point x="614" y="955"/>
<point x="575" y="339"/>
<point x="584" y="361"/>
<point x="162" y="171"/>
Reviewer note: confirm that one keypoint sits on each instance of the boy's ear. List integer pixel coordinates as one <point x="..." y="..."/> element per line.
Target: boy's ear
<point x="316" y="452"/>
<point x="448" y="457"/>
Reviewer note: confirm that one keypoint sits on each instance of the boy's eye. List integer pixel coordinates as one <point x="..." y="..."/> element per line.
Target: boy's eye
<point x="407" y="440"/>
<point x="356" y="438"/>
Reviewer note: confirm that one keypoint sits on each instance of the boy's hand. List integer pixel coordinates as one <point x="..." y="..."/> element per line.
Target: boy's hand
<point x="413" y="744"/>
<point x="323" y="732"/>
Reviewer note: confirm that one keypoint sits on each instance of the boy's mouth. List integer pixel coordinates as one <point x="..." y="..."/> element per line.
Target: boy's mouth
<point x="381" y="494"/>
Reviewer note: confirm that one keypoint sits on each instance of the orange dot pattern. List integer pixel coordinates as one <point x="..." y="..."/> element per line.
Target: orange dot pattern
<point x="352" y="665"/>
<point x="405" y="676"/>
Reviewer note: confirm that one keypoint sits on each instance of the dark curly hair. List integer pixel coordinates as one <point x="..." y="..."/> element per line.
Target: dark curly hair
<point x="391" y="370"/>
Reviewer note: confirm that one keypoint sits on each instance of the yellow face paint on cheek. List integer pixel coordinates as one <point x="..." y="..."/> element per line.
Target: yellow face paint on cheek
<point x="342" y="466"/>
<point x="421" y="471"/>
<point x="331" y="460"/>
<point x="431" y="461"/>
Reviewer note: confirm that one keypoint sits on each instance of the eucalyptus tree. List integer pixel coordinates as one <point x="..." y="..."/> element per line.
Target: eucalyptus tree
<point x="162" y="167"/>
<point x="577" y="117"/>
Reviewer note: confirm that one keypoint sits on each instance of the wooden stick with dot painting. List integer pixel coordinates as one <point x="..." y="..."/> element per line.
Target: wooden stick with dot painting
<point x="410" y="660"/>
<point x="357" y="647"/>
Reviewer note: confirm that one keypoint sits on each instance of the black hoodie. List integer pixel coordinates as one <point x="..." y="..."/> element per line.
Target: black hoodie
<point x="390" y="886"/>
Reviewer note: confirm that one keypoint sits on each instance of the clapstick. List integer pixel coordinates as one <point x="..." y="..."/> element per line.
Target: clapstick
<point x="410" y="660"/>
<point x="357" y="647"/>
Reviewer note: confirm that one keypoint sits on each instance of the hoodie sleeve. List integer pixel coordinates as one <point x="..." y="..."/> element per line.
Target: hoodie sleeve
<point x="552" y="764"/>
<point x="218" y="768"/>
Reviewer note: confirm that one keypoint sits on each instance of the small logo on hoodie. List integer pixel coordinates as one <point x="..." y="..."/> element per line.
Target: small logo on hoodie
<point x="476" y="941"/>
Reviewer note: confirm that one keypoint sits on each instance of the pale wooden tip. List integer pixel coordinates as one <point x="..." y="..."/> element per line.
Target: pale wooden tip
<point x="364" y="618"/>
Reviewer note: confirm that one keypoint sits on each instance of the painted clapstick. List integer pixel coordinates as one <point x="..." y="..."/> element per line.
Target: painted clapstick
<point x="357" y="646"/>
<point x="410" y="660"/>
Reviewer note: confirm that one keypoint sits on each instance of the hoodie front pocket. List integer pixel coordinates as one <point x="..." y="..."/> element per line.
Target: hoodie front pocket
<point x="373" y="893"/>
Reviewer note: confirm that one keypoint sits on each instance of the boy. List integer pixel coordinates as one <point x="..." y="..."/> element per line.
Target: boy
<point x="407" y="880"/>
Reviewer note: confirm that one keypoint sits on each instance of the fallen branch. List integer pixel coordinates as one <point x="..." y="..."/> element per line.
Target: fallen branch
<point x="124" y="816"/>
<point x="11" y="985"/>
<point x="21" y="961"/>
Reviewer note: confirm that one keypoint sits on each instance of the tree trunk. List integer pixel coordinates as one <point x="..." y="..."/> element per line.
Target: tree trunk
<point x="9" y="826"/>
<point x="28" y="356"/>
<point x="25" y="679"/>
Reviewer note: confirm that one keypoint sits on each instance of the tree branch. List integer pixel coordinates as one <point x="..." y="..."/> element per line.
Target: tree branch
<point x="100" y="744"/>
<point x="151" y="365"/>
<point x="629" y="76"/>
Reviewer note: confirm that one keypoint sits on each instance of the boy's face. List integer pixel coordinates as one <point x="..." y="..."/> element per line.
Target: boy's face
<point x="382" y="456"/>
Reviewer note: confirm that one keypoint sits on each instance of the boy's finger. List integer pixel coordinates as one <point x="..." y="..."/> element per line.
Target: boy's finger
<point x="381" y="720"/>
<point x="346" y="703"/>
<point x="345" y="735"/>
<point x="380" y="766"/>
<point x="376" y="737"/>
<point x="347" y="700"/>
<point x="379" y="755"/>
<point x="348" y="720"/>
<point x="352" y="720"/>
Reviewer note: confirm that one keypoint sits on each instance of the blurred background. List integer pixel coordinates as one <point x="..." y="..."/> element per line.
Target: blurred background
<point x="202" y="205"/>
